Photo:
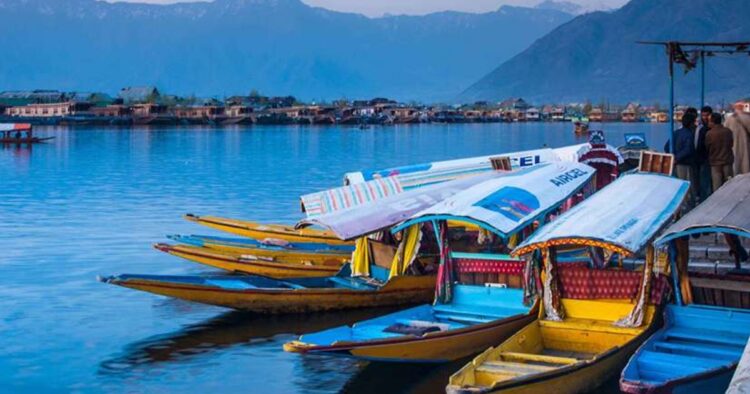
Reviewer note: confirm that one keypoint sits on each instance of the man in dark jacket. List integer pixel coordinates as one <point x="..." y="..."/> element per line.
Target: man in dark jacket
<point x="684" y="153"/>
<point x="719" y="144"/>
<point x="702" y="168"/>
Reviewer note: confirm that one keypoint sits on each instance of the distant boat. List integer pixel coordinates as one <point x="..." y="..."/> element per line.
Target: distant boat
<point x="19" y="133"/>
<point x="581" y="128"/>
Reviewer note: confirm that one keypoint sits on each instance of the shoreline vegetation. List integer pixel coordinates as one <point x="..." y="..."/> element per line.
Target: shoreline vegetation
<point x="147" y="106"/>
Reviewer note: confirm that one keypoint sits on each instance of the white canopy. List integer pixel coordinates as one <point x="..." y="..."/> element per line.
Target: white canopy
<point x="623" y="217"/>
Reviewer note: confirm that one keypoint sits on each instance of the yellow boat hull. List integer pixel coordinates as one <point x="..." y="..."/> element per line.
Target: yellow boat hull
<point x="402" y="290"/>
<point x="286" y="266"/>
<point x="263" y="231"/>
<point x="523" y="364"/>
<point x="432" y="347"/>
<point x="288" y="255"/>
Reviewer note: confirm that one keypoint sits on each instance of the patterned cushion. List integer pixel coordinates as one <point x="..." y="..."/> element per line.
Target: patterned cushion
<point x="508" y="267"/>
<point x="584" y="283"/>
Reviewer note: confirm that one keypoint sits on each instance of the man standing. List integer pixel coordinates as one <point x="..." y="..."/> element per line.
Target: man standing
<point x="739" y="123"/>
<point x="702" y="169"/>
<point x="719" y="142"/>
<point x="684" y="153"/>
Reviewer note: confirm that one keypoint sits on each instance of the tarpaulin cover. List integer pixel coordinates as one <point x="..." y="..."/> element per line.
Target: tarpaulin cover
<point x="345" y="197"/>
<point x="502" y="201"/>
<point x="506" y="204"/>
<point x="727" y="210"/>
<point x="418" y="175"/>
<point x="622" y="217"/>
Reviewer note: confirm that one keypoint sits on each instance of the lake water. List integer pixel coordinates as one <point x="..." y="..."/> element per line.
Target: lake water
<point x="94" y="200"/>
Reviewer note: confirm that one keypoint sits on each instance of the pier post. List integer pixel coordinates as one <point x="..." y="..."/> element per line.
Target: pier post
<point x="703" y="78"/>
<point x="671" y="50"/>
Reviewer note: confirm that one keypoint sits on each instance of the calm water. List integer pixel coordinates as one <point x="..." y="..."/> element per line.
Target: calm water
<point x="94" y="200"/>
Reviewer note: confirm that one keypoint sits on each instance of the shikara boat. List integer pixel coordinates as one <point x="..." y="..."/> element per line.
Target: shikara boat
<point x="19" y="133"/>
<point x="267" y="231"/>
<point x="409" y="279"/>
<point x="247" y="245"/>
<point x="273" y="263"/>
<point x="707" y="328"/>
<point x="296" y="295"/>
<point x="592" y="319"/>
<point x="467" y="316"/>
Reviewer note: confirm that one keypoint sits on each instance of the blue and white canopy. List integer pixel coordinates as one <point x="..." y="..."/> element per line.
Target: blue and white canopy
<point x="622" y="217"/>
<point x="727" y="210"/>
<point x="501" y="202"/>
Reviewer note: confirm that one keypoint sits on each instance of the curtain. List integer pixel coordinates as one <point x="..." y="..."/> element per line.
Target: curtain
<point x="446" y="273"/>
<point x="551" y="295"/>
<point x="407" y="250"/>
<point x="361" y="258"/>
<point x="635" y="318"/>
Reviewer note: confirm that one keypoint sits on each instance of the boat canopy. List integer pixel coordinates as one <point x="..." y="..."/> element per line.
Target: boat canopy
<point x="350" y="196"/>
<point x="727" y="210"/>
<point x="15" y="126"/>
<point x="507" y="204"/>
<point x="366" y="186"/>
<point x="623" y="217"/>
<point x="498" y="201"/>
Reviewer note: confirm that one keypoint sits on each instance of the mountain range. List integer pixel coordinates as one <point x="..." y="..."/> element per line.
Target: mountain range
<point x="278" y="47"/>
<point x="595" y="56"/>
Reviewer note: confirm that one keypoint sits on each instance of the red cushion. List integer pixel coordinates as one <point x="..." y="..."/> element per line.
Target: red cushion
<point x="584" y="283"/>
<point x="487" y="266"/>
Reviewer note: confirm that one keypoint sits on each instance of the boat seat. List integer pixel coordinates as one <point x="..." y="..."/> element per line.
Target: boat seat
<point x="538" y="358"/>
<point x="230" y="284"/>
<point x="726" y="338"/>
<point x="698" y="350"/>
<point x="351" y="283"/>
<point x="512" y="368"/>
<point x="475" y="315"/>
<point x="669" y="365"/>
<point x="572" y="323"/>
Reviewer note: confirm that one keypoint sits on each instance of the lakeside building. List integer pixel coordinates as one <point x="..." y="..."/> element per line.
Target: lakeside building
<point x="631" y="113"/>
<point x="147" y="105"/>
<point x="46" y="110"/>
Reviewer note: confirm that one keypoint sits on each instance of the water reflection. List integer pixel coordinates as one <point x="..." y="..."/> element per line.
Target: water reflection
<point x="234" y="328"/>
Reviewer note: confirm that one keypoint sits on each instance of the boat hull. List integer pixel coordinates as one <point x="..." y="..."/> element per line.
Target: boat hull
<point x="275" y="267"/>
<point x="278" y="253"/>
<point x="404" y="290"/>
<point x="579" y="375"/>
<point x="441" y="347"/>
<point x="263" y="231"/>
<point x="697" y="351"/>
<point x="712" y="382"/>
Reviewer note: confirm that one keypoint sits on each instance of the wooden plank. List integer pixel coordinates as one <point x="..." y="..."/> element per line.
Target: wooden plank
<point x="721" y="284"/>
<point x="540" y="358"/>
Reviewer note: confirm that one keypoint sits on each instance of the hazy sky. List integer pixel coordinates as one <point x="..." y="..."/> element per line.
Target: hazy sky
<point x="416" y="7"/>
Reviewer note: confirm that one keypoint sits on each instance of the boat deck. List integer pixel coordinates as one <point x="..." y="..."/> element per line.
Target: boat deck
<point x="546" y="345"/>
<point x="696" y="340"/>
<point x="470" y="306"/>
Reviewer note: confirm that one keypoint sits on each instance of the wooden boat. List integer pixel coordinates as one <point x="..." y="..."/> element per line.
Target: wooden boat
<point x="466" y="317"/>
<point x="295" y="295"/>
<point x="262" y="261"/>
<point x="243" y="245"/>
<point x="581" y="128"/>
<point x="592" y="319"/>
<point x="19" y="133"/>
<point x="264" y="231"/>
<point x="408" y="277"/>
<point x="707" y="328"/>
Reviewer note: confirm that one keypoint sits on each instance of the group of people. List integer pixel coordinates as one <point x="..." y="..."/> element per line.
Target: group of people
<point x="709" y="149"/>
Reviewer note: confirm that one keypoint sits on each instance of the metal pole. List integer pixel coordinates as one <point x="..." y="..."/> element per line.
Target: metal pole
<point x="703" y="78"/>
<point x="670" y="47"/>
